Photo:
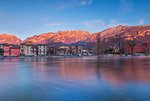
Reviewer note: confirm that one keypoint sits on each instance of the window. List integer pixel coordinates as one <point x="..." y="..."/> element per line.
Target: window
<point x="6" y="50"/>
<point x="12" y="49"/>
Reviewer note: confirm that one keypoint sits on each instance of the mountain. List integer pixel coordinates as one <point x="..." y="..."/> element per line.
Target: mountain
<point x="10" y="39"/>
<point x="141" y="33"/>
<point x="66" y="37"/>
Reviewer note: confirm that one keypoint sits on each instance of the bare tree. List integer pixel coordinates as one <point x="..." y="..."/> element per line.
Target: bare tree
<point x="116" y="42"/>
<point x="91" y="45"/>
<point x="100" y="46"/>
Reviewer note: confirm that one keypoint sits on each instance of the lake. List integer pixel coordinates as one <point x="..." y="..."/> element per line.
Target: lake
<point x="75" y="79"/>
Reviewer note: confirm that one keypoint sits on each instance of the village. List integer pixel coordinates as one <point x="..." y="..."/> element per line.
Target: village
<point x="91" y="49"/>
<point x="30" y="49"/>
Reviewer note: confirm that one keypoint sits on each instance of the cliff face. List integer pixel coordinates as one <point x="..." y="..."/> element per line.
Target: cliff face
<point x="10" y="39"/>
<point x="141" y="33"/>
<point x="61" y="36"/>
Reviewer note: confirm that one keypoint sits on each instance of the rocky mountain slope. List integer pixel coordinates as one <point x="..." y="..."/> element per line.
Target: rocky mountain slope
<point x="11" y="39"/>
<point x="67" y="37"/>
<point x="141" y="33"/>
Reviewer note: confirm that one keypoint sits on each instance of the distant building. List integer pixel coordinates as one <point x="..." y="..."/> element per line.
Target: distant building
<point x="2" y="46"/>
<point x="14" y="50"/>
<point x="51" y="51"/>
<point x="74" y="50"/>
<point x="28" y="50"/>
<point x="64" y="50"/>
<point x="11" y="50"/>
<point x="68" y="50"/>
<point x="22" y="48"/>
<point x="42" y="49"/>
<point x="29" y="43"/>
<point x="77" y="50"/>
<point x="80" y="49"/>
<point x="7" y="49"/>
<point x="35" y="50"/>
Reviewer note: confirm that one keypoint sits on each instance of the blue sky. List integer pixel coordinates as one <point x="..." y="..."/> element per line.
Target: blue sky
<point x="25" y="18"/>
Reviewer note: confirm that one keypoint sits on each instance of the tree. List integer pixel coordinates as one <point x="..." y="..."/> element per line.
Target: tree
<point x="91" y="46"/>
<point x="116" y="42"/>
<point x="100" y="46"/>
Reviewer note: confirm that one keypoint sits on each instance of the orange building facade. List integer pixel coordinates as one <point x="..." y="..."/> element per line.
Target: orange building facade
<point x="14" y="50"/>
<point x="11" y="50"/>
<point x="7" y="50"/>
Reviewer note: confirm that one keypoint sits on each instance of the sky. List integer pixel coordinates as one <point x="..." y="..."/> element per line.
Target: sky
<point x="25" y="18"/>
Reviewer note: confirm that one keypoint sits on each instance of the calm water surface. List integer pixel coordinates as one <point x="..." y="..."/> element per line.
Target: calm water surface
<point x="75" y="79"/>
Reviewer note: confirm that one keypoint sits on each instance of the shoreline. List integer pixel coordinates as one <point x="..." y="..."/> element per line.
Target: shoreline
<point x="94" y="56"/>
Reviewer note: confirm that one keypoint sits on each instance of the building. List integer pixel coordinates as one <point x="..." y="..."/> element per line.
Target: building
<point x="11" y="50"/>
<point x="22" y="48"/>
<point x="34" y="50"/>
<point x="25" y="48"/>
<point x="77" y="50"/>
<point x="14" y="50"/>
<point x="64" y="50"/>
<point x="74" y="50"/>
<point x="51" y="51"/>
<point x="29" y="43"/>
<point x="68" y="50"/>
<point x="2" y="49"/>
<point x="7" y="49"/>
<point x="2" y="46"/>
<point x="80" y="49"/>
<point x="28" y="50"/>
<point x="42" y="49"/>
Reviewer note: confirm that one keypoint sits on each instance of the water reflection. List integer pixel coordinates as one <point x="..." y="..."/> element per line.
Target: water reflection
<point x="74" y="79"/>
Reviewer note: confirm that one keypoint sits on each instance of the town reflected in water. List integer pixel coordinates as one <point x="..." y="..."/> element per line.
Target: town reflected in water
<point x="75" y="79"/>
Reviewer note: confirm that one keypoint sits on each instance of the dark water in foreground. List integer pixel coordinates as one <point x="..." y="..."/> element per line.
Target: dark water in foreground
<point x="75" y="79"/>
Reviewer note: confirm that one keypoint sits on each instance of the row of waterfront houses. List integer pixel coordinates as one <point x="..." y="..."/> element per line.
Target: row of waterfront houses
<point x="30" y="49"/>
